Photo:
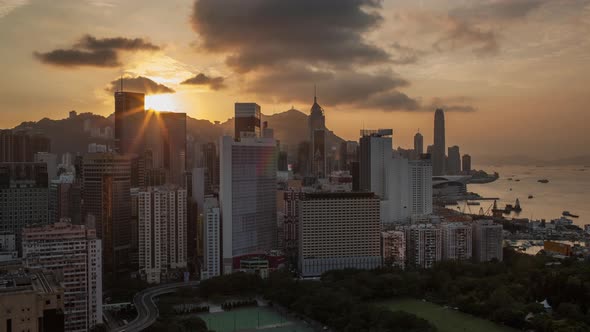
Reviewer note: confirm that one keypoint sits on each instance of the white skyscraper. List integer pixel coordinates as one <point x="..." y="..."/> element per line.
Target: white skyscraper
<point x="211" y="239"/>
<point x="162" y="231"/>
<point x="420" y="181"/>
<point x="247" y="197"/>
<point x="76" y="254"/>
<point x="375" y="167"/>
<point x="456" y="241"/>
<point x="487" y="241"/>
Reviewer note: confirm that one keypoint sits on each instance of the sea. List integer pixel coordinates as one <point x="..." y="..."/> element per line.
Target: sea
<point x="568" y="189"/>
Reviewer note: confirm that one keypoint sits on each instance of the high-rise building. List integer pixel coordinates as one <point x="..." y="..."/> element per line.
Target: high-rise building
<point x="23" y="196"/>
<point x="247" y="197"/>
<point x="289" y="209"/>
<point x="456" y="241"/>
<point x="303" y="162"/>
<point x="129" y="122"/>
<point x="173" y="136"/>
<point x="399" y="204"/>
<point x="487" y="241"/>
<point x="65" y="199"/>
<point x="30" y="300"/>
<point x="348" y="154"/>
<point x="466" y="163"/>
<point x="161" y="231"/>
<point x="8" y="250"/>
<point x="51" y="160"/>
<point x="439" y="149"/>
<point x="20" y="146"/>
<point x="74" y="253"/>
<point x="247" y="120"/>
<point x="211" y="164"/>
<point x="375" y="157"/>
<point x="107" y="197"/>
<point x="454" y="161"/>
<point x="394" y="248"/>
<point x="211" y="239"/>
<point x="420" y="176"/>
<point x="418" y="144"/>
<point x="423" y="245"/>
<point x="317" y="140"/>
<point x="338" y="231"/>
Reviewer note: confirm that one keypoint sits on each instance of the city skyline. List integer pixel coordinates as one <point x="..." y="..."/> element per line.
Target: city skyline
<point x="406" y="60"/>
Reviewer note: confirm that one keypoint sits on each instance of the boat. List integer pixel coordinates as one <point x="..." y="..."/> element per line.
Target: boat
<point x="509" y="179"/>
<point x="473" y="203"/>
<point x="530" y="196"/>
<point x="508" y="208"/>
<point x="517" y="207"/>
<point x="517" y="180"/>
<point x="568" y="214"/>
<point x="543" y="181"/>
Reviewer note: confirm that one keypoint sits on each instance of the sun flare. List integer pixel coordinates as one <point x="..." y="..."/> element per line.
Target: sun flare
<point x="163" y="102"/>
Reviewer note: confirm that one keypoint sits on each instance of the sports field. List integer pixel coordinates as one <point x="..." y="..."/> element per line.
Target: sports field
<point x="445" y="319"/>
<point x="252" y="319"/>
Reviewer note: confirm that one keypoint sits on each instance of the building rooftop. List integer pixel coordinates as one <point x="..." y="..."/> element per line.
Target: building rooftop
<point x="16" y="279"/>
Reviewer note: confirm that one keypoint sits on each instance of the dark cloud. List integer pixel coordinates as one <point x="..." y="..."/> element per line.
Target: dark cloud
<point x="119" y="43"/>
<point x="452" y="104"/>
<point x="93" y="52"/>
<point x="76" y="58"/>
<point x="461" y="35"/>
<point x="214" y="83"/>
<point x="268" y="32"/>
<point x="295" y="84"/>
<point x="393" y="101"/>
<point x="139" y="84"/>
<point x="498" y="10"/>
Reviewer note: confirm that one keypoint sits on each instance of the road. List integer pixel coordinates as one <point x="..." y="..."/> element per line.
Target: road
<point x="147" y="312"/>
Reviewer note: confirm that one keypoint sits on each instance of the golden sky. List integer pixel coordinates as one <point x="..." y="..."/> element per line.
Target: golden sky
<point x="513" y="75"/>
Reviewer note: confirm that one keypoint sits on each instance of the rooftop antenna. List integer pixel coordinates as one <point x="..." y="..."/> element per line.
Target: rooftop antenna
<point x="315" y="98"/>
<point x="121" y="82"/>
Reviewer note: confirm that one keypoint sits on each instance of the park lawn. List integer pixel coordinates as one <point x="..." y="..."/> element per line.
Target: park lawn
<point x="445" y="319"/>
<point x="251" y="318"/>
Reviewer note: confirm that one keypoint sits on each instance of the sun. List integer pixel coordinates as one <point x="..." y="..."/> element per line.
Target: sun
<point x="163" y="102"/>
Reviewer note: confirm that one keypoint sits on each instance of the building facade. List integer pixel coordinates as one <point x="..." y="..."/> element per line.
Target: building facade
<point x="247" y="120"/>
<point x="488" y="241"/>
<point x="439" y="148"/>
<point x="337" y="231"/>
<point x="457" y="241"/>
<point x="394" y="248"/>
<point x="454" y="161"/>
<point x="74" y="253"/>
<point x="317" y="140"/>
<point x="423" y="245"/>
<point x="211" y="239"/>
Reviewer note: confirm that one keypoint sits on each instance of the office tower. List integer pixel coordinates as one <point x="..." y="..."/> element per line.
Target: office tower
<point x="19" y="146"/>
<point x="420" y="176"/>
<point x="74" y="253"/>
<point x="161" y="231"/>
<point x="211" y="239"/>
<point x="338" y="231"/>
<point x="454" y="161"/>
<point x="398" y="204"/>
<point x="487" y="241"/>
<point x="303" y="163"/>
<point x="317" y="140"/>
<point x="173" y="135"/>
<point x="247" y="197"/>
<point x="106" y="195"/>
<point x="211" y="164"/>
<point x="375" y="161"/>
<point x="355" y="172"/>
<point x="129" y="122"/>
<point x="51" y="160"/>
<point x="348" y="154"/>
<point x="423" y="245"/>
<point x="456" y="241"/>
<point x="23" y="196"/>
<point x="282" y="162"/>
<point x="418" y="144"/>
<point x="247" y="120"/>
<point x="466" y="163"/>
<point x="65" y="199"/>
<point x="394" y="248"/>
<point x="439" y="149"/>
<point x="31" y="300"/>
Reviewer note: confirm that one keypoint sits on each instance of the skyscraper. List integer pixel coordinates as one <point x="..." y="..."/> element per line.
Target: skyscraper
<point x="107" y="183"/>
<point x="488" y="241"/>
<point x="74" y="252"/>
<point x="211" y="239"/>
<point x="439" y="150"/>
<point x="338" y="231"/>
<point x="247" y="194"/>
<point x="129" y="122"/>
<point x="418" y="144"/>
<point x="420" y="175"/>
<point x="161" y="231"/>
<point x="247" y="120"/>
<point x="173" y="135"/>
<point x="23" y="196"/>
<point x="466" y="163"/>
<point x="20" y="146"/>
<point x="456" y="241"/>
<point x="423" y="245"/>
<point x="65" y="199"/>
<point x="317" y="139"/>
<point x="348" y="154"/>
<point x="454" y="161"/>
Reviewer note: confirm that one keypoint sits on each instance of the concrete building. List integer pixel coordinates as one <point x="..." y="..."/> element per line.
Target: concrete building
<point x="172" y="127"/>
<point x="247" y="120"/>
<point x="423" y="245"/>
<point x="487" y="241"/>
<point x="65" y="199"/>
<point x="74" y="253"/>
<point x="348" y="154"/>
<point x="19" y="146"/>
<point x="23" y="196"/>
<point x="211" y="239"/>
<point x="466" y="163"/>
<point x="247" y="197"/>
<point x="289" y="210"/>
<point x="161" y="231"/>
<point x="8" y="250"/>
<point x="375" y="157"/>
<point x="30" y="300"/>
<point x="317" y="140"/>
<point x="129" y="121"/>
<point x="420" y="177"/>
<point x="439" y="148"/>
<point x="418" y="144"/>
<point x="454" y="161"/>
<point x="394" y="248"/>
<point x="456" y="241"/>
<point x="51" y="160"/>
<point x="337" y="231"/>
<point x="107" y="182"/>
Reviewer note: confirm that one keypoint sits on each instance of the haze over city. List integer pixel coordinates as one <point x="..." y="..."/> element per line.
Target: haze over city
<point x="512" y="76"/>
